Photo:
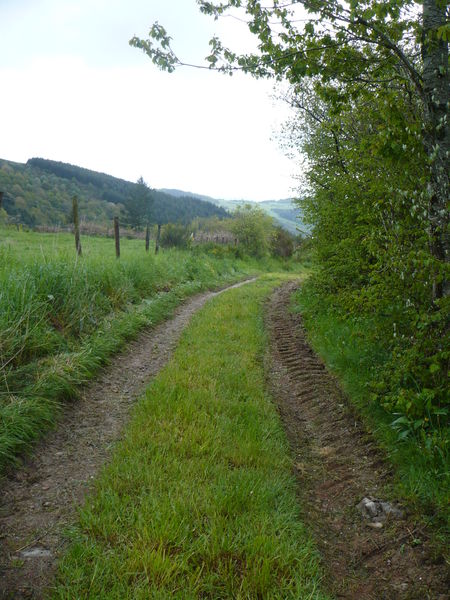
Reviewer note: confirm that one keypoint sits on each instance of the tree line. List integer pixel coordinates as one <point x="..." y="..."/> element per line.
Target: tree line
<point x="41" y="192"/>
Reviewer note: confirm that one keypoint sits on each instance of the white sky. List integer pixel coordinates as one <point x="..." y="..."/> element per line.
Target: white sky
<point x="72" y="89"/>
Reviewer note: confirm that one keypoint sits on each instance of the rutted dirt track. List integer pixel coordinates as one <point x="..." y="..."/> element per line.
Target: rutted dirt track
<point x="337" y="465"/>
<point x="40" y="499"/>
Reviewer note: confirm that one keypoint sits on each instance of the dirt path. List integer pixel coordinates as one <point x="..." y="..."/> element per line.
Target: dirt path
<point x="337" y="465"/>
<point x="40" y="499"/>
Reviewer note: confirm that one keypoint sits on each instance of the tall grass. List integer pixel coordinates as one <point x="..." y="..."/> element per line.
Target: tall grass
<point x="61" y="316"/>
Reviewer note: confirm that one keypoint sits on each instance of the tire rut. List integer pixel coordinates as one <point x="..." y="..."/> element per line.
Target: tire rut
<point x="40" y="499"/>
<point x="337" y="464"/>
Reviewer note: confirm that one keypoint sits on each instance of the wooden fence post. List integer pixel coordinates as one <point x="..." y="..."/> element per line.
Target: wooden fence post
<point x="1" y="199"/>
<point x="147" y="238"/>
<point x="158" y="236"/>
<point x="117" y="236"/>
<point x="76" y="225"/>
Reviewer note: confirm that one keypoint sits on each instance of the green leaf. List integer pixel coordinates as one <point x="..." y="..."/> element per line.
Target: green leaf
<point x="401" y="421"/>
<point x="443" y="32"/>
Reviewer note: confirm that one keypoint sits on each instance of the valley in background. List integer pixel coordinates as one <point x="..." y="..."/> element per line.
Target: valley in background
<point x="40" y="192"/>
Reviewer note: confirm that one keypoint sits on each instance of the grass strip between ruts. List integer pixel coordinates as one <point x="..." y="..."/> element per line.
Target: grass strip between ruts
<point x="199" y="499"/>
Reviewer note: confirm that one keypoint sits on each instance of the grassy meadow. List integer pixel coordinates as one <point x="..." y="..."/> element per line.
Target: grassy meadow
<point x="199" y="499"/>
<point x="62" y="316"/>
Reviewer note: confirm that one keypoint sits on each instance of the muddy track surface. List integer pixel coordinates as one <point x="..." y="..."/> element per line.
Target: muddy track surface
<point x="368" y="553"/>
<point x="41" y="498"/>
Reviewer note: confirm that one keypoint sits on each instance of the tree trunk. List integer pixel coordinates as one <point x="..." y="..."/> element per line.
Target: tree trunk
<point x="158" y="236"/>
<point x="117" y="236"/>
<point x="147" y="238"/>
<point x="76" y="225"/>
<point x="437" y="133"/>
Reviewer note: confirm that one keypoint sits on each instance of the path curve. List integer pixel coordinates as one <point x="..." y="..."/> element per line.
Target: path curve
<point x="337" y="464"/>
<point x="41" y="498"/>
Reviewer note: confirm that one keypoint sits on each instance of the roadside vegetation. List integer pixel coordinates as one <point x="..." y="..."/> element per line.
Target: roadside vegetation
<point x="378" y="303"/>
<point x="62" y="316"/>
<point x="199" y="499"/>
<point x="354" y="348"/>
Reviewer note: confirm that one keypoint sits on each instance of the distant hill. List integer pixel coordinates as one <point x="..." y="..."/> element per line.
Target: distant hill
<point x="40" y="193"/>
<point x="285" y="211"/>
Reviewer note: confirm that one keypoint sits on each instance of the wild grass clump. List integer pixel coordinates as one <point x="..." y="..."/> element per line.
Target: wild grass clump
<point x="61" y="316"/>
<point x="199" y="500"/>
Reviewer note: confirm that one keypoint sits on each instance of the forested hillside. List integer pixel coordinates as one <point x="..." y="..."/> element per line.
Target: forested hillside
<point x="40" y="193"/>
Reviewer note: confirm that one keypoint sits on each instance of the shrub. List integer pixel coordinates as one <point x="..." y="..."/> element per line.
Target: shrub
<point x="175" y="236"/>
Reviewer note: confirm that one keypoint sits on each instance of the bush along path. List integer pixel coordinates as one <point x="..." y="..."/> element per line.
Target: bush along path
<point x="39" y="499"/>
<point x="371" y="547"/>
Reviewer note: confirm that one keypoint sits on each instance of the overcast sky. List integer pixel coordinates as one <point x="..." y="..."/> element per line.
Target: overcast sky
<point x="72" y="89"/>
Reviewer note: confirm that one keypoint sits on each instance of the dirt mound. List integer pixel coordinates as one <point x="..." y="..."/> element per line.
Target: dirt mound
<point x="372" y="551"/>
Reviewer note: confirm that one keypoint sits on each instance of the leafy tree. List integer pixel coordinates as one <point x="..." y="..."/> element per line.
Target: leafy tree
<point x="350" y="49"/>
<point x="212" y="224"/>
<point x="139" y="205"/>
<point x="175" y="236"/>
<point x="254" y="228"/>
<point x="371" y="235"/>
<point x="282" y="243"/>
<point x="366" y="167"/>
